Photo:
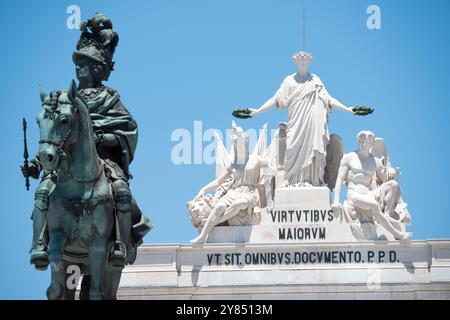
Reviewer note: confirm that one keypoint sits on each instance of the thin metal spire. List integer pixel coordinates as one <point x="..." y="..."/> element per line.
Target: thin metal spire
<point x="304" y="29"/>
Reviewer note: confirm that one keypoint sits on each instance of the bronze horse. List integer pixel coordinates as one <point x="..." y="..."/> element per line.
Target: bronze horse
<point x="81" y="207"/>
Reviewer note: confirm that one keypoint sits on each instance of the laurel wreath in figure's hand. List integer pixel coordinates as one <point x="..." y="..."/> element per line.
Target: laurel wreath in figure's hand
<point x="242" y="113"/>
<point x="362" y="111"/>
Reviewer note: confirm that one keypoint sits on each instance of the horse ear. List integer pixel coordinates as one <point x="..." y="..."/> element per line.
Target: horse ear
<point x="72" y="92"/>
<point x="42" y="93"/>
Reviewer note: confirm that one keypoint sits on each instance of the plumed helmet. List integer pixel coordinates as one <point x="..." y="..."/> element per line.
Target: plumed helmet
<point x="97" y="42"/>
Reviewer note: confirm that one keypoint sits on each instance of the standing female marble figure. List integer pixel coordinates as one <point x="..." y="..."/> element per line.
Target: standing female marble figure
<point x="308" y="104"/>
<point x="243" y="194"/>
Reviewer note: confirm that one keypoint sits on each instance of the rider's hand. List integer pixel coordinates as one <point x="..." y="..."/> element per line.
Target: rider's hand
<point x="31" y="170"/>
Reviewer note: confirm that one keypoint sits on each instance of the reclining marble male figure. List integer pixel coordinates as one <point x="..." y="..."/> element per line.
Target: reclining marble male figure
<point x="366" y="199"/>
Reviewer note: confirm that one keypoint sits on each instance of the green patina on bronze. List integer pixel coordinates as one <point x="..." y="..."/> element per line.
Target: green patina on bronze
<point x="84" y="212"/>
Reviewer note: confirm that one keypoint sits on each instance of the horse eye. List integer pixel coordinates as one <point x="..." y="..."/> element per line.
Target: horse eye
<point x="63" y="121"/>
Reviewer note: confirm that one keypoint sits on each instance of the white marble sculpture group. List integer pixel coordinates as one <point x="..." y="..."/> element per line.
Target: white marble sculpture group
<point x="305" y="155"/>
<point x="241" y="185"/>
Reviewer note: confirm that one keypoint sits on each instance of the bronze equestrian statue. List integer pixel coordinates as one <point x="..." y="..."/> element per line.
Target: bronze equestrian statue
<point x="84" y="212"/>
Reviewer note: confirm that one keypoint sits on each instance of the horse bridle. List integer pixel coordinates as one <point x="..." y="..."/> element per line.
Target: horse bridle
<point x="62" y="145"/>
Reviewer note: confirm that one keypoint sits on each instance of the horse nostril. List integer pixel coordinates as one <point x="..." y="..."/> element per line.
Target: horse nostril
<point x="50" y="158"/>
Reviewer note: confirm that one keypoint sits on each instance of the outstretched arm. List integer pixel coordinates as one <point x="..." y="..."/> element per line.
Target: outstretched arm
<point x="269" y="104"/>
<point x="213" y="184"/>
<point x="334" y="103"/>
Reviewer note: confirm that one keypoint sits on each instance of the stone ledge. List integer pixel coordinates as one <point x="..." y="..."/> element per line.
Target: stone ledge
<point x="421" y="270"/>
<point x="343" y="291"/>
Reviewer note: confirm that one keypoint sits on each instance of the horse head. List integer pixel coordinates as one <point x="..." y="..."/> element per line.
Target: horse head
<point x="59" y="125"/>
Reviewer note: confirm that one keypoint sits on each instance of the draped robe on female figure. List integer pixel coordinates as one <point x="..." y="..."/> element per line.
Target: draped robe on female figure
<point x="307" y="105"/>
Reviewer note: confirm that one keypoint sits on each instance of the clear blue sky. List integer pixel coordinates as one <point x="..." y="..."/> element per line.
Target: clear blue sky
<point x="181" y="61"/>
